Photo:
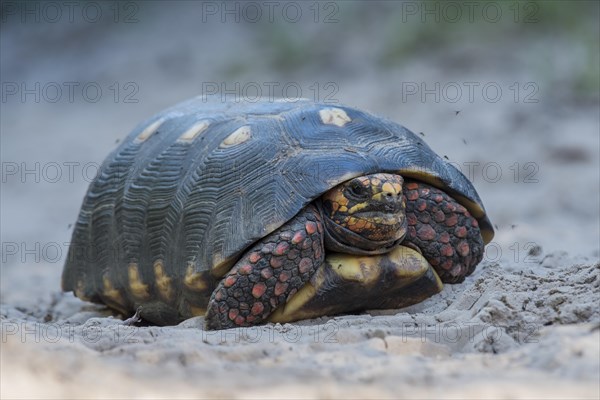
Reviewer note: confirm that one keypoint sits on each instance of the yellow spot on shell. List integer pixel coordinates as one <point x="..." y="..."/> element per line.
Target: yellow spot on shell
<point x="163" y="282"/>
<point x="193" y="132"/>
<point x="193" y="280"/>
<point x="197" y="311"/>
<point x="138" y="288"/>
<point x="110" y="292"/>
<point x="241" y="135"/>
<point x="149" y="130"/>
<point x="80" y="290"/>
<point x="334" y="116"/>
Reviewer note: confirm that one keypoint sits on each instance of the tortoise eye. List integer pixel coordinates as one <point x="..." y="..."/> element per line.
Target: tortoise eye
<point x="357" y="191"/>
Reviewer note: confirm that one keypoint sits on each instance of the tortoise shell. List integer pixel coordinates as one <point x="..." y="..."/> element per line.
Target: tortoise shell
<point x="194" y="186"/>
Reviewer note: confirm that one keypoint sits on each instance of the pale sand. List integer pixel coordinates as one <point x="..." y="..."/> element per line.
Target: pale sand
<point x="524" y="334"/>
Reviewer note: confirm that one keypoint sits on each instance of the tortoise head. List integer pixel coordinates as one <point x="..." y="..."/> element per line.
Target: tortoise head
<point x="365" y="214"/>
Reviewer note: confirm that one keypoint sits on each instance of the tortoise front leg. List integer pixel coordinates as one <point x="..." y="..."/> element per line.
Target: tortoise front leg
<point x="269" y="273"/>
<point x="444" y="231"/>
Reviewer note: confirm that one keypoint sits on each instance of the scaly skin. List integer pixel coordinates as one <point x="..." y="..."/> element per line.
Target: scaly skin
<point x="444" y="231"/>
<point x="269" y="273"/>
<point x="362" y="215"/>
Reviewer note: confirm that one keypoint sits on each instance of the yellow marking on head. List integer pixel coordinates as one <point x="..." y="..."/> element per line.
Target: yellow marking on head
<point x="375" y="182"/>
<point x="352" y="221"/>
<point x="378" y="197"/>
<point x="357" y="207"/>
<point x="397" y="187"/>
<point x="109" y="290"/>
<point x="193" y="280"/>
<point x="334" y="116"/>
<point x="149" y="130"/>
<point x="343" y="209"/>
<point x="239" y="136"/>
<point x="163" y="282"/>
<point x="193" y="132"/>
<point x="138" y="288"/>
<point x="388" y="188"/>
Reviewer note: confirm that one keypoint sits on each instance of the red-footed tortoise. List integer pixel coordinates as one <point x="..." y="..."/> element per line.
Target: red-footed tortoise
<point x="271" y="211"/>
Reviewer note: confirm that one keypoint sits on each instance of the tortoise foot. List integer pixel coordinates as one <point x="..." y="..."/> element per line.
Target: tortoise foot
<point x="445" y="232"/>
<point x="269" y="274"/>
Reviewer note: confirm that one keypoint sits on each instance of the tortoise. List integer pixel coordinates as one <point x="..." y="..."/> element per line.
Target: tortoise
<point x="250" y="212"/>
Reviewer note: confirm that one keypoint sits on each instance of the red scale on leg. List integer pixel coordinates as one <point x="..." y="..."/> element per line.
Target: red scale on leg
<point x="257" y="308"/>
<point x="305" y="265"/>
<point x="253" y="289"/>
<point x="445" y="237"/>
<point x="439" y="216"/>
<point x="280" y="288"/>
<point x="426" y="232"/>
<point x="412" y="195"/>
<point x="411" y="219"/>
<point x="266" y="273"/>
<point x="230" y="280"/>
<point x="448" y="236"/>
<point x="298" y="237"/>
<point x="259" y="289"/>
<point x="281" y="249"/>
<point x="276" y="262"/>
<point x="451" y="220"/>
<point x="285" y="276"/>
<point x="311" y="227"/>
<point x="460" y="232"/>
<point x="463" y="248"/>
<point x="446" y="250"/>
<point x="421" y="205"/>
<point x="254" y="257"/>
<point x="245" y="269"/>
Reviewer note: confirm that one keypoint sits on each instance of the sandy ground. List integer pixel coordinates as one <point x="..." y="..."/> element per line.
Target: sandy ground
<point x="526" y="324"/>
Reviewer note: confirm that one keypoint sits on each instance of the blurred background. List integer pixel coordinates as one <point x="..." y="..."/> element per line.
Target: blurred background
<point x="507" y="91"/>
